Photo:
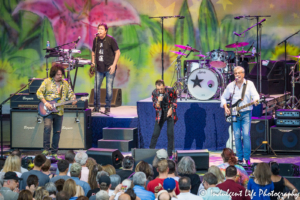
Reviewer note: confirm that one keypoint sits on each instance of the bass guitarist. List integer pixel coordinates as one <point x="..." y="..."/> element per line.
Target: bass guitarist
<point x="53" y="88"/>
<point x="245" y="90"/>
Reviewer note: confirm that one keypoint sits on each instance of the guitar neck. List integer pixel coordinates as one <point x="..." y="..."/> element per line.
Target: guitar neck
<point x="245" y="106"/>
<point x="66" y="102"/>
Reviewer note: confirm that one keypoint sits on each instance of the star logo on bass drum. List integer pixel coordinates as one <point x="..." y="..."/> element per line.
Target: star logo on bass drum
<point x="197" y="81"/>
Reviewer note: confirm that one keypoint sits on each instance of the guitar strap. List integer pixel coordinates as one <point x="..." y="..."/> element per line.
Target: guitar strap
<point x="244" y="90"/>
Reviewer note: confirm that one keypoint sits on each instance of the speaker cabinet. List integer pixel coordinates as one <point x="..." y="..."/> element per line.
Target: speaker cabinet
<point x="201" y="157"/>
<point x="116" y="99"/>
<point x="146" y="155"/>
<point x="257" y="132"/>
<point x="27" y="129"/>
<point x="285" y="139"/>
<point x="106" y="156"/>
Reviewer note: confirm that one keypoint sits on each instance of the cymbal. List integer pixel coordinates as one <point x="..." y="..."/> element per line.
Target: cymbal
<point x="179" y="53"/>
<point x="295" y="56"/>
<point x="188" y="48"/>
<point x="200" y="55"/>
<point x="237" y="44"/>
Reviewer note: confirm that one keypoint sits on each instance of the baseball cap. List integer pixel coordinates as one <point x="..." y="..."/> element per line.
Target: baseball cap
<point x="11" y="175"/>
<point x="162" y="154"/>
<point x="104" y="179"/>
<point x="169" y="184"/>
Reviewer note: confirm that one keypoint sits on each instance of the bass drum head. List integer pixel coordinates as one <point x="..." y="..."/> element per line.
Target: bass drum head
<point x="203" y="84"/>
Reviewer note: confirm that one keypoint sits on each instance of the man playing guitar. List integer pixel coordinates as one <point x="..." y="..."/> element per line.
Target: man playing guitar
<point x="53" y="88"/>
<point x="241" y="127"/>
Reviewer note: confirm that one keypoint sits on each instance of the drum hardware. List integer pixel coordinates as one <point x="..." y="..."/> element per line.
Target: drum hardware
<point x="293" y="98"/>
<point x="186" y="48"/>
<point x="218" y="58"/>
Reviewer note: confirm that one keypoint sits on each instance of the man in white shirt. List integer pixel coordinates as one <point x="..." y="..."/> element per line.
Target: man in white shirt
<point x="185" y="187"/>
<point x="241" y="127"/>
<point x="81" y="158"/>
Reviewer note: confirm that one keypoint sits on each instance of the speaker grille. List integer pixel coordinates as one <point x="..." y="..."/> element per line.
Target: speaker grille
<point x="257" y="132"/>
<point x="285" y="139"/>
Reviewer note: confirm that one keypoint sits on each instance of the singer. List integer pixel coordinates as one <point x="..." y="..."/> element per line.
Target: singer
<point x="165" y="103"/>
<point x="105" y="61"/>
<point x="245" y="90"/>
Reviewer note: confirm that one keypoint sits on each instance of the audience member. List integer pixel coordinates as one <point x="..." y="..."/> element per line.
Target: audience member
<point x="25" y="195"/>
<point x="104" y="182"/>
<point x="70" y="157"/>
<point x="124" y="197"/>
<point x="94" y="191"/>
<point x="161" y="154"/>
<point x="236" y="191"/>
<point x="185" y="187"/>
<point x="217" y="172"/>
<point x="62" y="195"/>
<point x="102" y="195"/>
<point x="41" y="193"/>
<point x="132" y="194"/>
<point x="79" y="191"/>
<point x="109" y="169"/>
<point x="187" y="167"/>
<point x="82" y="198"/>
<point x="76" y="174"/>
<point x="173" y="170"/>
<point x="90" y="162"/>
<point x="59" y="184"/>
<point x="46" y="169"/>
<point x="38" y="161"/>
<point x="19" y="154"/>
<point x="170" y="185"/>
<point x="70" y="187"/>
<point x="10" y="187"/>
<point x="212" y="192"/>
<point x="127" y="164"/>
<point x="145" y="167"/>
<point x="51" y="188"/>
<point x="229" y="158"/>
<point x="164" y="195"/>
<point x="32" y="183"/>
<point x="63" y="168"/>
<point x="81" y="158"/>
<point x="93" y="182"/>
<point x="262" y="184"/>
<point x="139" y="182"/>
<point x="115" y="180"/>
<point x="12" y="164"/>
<point x="163" y="170"/>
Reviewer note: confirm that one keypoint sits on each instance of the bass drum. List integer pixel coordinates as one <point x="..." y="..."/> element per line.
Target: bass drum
<point x="205" y="83"/>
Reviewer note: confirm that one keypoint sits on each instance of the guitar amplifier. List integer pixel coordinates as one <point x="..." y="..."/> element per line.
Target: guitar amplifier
<point x="287" y="114"/>
<point x="288" y="122"/>
<point x="35" y="85"/>
<point x="24" y="100"/>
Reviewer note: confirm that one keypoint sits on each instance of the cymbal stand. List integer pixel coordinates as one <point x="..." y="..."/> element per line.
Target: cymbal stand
<point x="293" y="97"/>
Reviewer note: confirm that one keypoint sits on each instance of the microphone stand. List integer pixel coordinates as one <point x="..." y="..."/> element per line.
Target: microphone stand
<point x="1" y="115"/>
<point x="285" y="41"/>
<point x="162" y="40"/>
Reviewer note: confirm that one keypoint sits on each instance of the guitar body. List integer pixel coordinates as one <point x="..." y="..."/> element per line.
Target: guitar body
<point x="228" y="118"/>
<point x="43" y="111"/>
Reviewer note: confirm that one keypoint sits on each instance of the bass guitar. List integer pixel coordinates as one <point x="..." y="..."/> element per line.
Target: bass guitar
<point x="44" y="111"/>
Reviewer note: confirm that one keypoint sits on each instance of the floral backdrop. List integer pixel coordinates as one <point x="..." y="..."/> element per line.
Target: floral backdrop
<point x="27" y="25"/>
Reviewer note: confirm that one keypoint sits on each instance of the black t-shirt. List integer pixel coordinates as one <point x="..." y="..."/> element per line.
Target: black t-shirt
<point x="124" y="174"/>
<point x="165" y="103"/>
<point x="92" y="192"/>
<point x="105" y="52"/>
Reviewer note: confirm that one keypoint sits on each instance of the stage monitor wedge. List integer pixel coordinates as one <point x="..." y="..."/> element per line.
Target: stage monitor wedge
<point x="146" y="155"/>
<point x="106" y="156"/>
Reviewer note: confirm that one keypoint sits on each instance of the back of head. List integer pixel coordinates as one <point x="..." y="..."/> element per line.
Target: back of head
<point x="70" y="156"/>
<point x="12" y="163"/>
<point x="32" y="180"/>
<point x="59" y="184"/>
<point x="185" y="183"/>
<point x="128" y="162"/>
<point x="23" y="195"/>
<point x="90" y="162"/>
<point x="79" y="191"/>
<point x="101" y="173"/>
<point x="70" y="187"/>
<point x="40" y="193"/>
<point x="274" y="168"/>
<point x="139" y="178"/>
<point x="16" y="153"/>
<point x="169" y="184"/>
<point x="104" y="182"/>
<point x="51" y="188"/>
<point x="115" y="180"/>
<point x="75" y="170"/>
<point x="39" y="160"/>
<point x="131" y="193"/>
<point x="124" y="197"/>
<point x="217" y="172"/>
<point x="93" y="171"/>
<point x="102" y="195"/>
<point x="210" y="178"/>
<point x="81" y="158"/>
<point x="62" y="165"/>
<point x="62" y="196"/>
<point x="186" y="165"/>
<point x="109" y="169"/>
<point x="143" y="166"/>
<point x="127" y="183"/>
<point x="162" y="166"/>
<point x="228" y="156"/>
<point x="231" y="171"/>
<point x="262" y="173"/>
<point x="82" y="198"/>
<point x="46" y="166"/>
<point x="172" y="167"/>
<point x="163" y="195"/>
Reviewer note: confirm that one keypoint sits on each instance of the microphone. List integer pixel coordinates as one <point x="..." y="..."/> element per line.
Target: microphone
<point x="76" y="41"/>
<point x="234" y="33"/>
<point x="96" y="34"/>
<point x="161" y="94"/>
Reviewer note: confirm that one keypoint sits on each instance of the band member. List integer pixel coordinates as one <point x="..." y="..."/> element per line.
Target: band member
<point x="52" y="88"/>
<point x="241" y="128"/>
<point x="107" y="56"/>
<point x="165" y="103"/>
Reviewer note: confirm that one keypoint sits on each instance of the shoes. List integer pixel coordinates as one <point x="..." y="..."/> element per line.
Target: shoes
<point x="55" y="156"/>
<point x="45" y="152"/>
<point x="107" y="110"/>
<point x="240" y="162"/>
<point x="248" y="163"/>
<point x="95" y="109"/>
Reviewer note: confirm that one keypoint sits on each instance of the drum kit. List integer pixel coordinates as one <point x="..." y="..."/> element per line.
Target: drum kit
<point x="207" y="77"/>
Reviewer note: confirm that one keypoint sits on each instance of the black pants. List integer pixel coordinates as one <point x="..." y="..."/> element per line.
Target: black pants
<point x="56" y="120"/>
<point x="170" y="132"/>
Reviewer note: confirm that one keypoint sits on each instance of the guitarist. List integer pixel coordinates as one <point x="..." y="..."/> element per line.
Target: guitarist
<point x="245" y="90"/>
<point x="53" y="88"/>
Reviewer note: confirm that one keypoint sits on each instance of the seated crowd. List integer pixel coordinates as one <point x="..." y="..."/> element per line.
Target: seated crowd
<point x="82" y="178"/>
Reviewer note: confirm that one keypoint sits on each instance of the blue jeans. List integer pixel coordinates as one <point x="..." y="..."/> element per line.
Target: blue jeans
<point x="56" y="120"/>
<point x="242" y="128"/>
<point x="109" y="88"/>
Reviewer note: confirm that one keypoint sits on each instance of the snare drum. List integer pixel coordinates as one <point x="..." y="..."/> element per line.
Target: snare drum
<point x="218" y="58"/>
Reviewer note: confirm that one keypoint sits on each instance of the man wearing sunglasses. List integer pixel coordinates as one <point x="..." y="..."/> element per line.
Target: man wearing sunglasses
<point x="10" y="189"/>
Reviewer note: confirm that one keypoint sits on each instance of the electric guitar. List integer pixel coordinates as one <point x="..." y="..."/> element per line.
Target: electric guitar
<point x="44" y="111"/>
<point x="236" y="109"/>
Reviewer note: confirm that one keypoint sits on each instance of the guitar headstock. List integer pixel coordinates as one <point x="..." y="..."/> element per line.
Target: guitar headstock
<point x="84" y="98"/>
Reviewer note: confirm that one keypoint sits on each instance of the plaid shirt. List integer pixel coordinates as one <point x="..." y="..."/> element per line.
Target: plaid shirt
<point x="172" y="102"/>
<point x="49" y="92"/>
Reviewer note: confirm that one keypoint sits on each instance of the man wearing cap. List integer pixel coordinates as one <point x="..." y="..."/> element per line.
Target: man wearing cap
<point x="161" y="154"/>
<point x="76" y="174"/>
<point x="104" y="185"/>
<point x="10" y="187"/>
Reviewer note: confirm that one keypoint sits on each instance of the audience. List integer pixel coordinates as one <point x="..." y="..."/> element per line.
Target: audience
<point x="25" y="195"/>
<point x="187" y="167"/>
<point x="103" y="183"/>
<point x="236" y="191"/>
<point x="10" y="188"/>
<point x="132" y="194"/>
<point x="127" y="164"/>
<point x="59" y="184"/>
<point x="93" y="192"/>
<point x="185" y="187"/>
<point x="161" y="154"/>
<point x="229" y="158"/>
<point x="217" y="172"/>
<point x="145" y="167"/>
<point x="262" y="183"/>
<point x="163" y="170"/>
<point x="75" y="175"/>
<point x="19" y="154"/>
<point x="173" y="170"/>
<point x="212" y="192"/>
<point x="32" y="183"/>
<point x="41" y="193"/>
<point x="139" y="182"/>
<point x="102" y="195"/>
<point x="38" y="161"/>
<point x="81" y="159"/>
<point x="70" y="157"/>
<point x="70" y="188"/>
<point x="115" y="180"/>
<point x="93" y="182"/>
<point x="12" y="164"/>
<point x="51" y="188"/>
<point x="63" y="168"/>
<point x="170" y="185"/>
<point x="82" y="198"/>
<point x="90" y="162"/>
<point x="79" y="191"/>
<point x="46" y="168"/>
<point x="62" y="196"/>
<point x="164" y="195"/>
<point x="109" y="169"/>
<point x="124" y="197"/>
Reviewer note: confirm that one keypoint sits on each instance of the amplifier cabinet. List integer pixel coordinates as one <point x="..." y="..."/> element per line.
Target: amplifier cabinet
<point x="285" y="139"/>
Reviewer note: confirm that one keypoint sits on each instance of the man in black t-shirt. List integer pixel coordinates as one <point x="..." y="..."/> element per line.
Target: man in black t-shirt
<point x="107" y="55"/>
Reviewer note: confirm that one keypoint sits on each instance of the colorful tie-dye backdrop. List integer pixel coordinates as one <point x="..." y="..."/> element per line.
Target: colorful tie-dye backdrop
<point x="26" y="26"/>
